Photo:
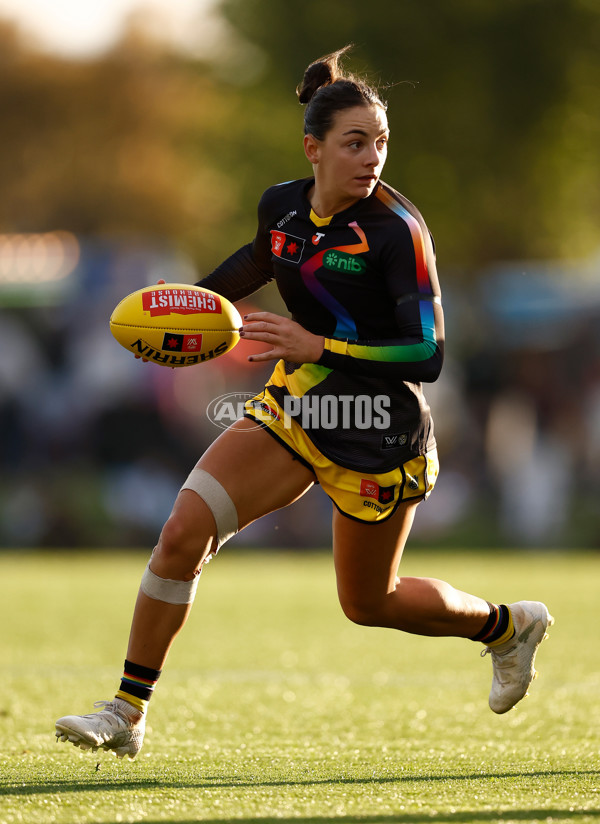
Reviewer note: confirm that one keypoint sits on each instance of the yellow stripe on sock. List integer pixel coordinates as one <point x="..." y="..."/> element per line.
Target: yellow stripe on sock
<point x="138" y="703"/>
<point x="506" y="636"/>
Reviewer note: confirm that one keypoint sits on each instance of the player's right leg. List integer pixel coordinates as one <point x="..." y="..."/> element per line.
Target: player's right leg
<point x="366" y="560"/>
<point x="252" y="474"/>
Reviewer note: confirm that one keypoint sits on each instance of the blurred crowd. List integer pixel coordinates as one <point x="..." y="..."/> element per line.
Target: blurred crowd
<point x="95" y="444"/>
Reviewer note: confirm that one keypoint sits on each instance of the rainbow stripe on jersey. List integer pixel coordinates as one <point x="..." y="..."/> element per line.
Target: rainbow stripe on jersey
<point x="414" y="352"/>
<point x="345" y="325"/>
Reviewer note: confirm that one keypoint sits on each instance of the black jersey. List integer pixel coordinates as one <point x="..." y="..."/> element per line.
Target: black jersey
<point x="366" y="280"/>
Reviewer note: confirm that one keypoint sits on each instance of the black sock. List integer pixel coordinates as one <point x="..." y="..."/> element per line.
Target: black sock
<point x="137" y="685"/>
<point x="498" y="625"/>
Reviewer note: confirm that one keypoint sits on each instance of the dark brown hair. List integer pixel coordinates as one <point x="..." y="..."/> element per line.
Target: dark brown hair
<point x="325" y="90"/>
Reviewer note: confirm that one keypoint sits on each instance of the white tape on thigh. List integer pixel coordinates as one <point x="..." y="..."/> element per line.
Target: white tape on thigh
<point x="217" y="500"/>
<point x="165" y="589"/>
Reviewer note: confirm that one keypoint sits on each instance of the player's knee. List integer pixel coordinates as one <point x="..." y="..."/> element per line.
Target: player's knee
<point x="180" y="549"/>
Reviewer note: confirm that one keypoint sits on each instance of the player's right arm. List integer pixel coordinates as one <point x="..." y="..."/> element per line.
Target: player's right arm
<point x="245" y="271"/>
<point x="238" y="276"/>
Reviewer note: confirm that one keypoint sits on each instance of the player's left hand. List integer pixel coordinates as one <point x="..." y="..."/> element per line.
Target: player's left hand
<point x="288" y="339"/>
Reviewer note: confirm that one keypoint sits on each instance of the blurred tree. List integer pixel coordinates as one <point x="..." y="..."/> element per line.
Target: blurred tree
<point x="493" y="109"/>
<point x="122" y="145"/>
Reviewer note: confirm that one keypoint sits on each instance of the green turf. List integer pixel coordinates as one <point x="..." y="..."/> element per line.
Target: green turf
<point x="273" y="707"/>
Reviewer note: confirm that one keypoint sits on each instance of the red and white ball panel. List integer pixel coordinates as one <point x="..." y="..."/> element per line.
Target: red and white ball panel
<point x="174" y="324"/>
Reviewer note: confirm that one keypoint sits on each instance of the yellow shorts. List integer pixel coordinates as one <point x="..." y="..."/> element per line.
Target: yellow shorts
<point x="358" y="495"/>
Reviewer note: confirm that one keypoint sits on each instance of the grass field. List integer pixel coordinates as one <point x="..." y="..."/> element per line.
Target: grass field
<point x="273" y="707"/>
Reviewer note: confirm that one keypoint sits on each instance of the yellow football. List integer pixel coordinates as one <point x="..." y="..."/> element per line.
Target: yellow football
<point x="175" y="325"/>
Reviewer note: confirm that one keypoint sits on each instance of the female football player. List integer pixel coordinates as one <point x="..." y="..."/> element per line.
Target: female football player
<point x="354" y="262"/>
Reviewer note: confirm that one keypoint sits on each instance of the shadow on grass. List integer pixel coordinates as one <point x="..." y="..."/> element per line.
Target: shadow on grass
<point x="408" y="818"/>
<point x="404" y="818"/>
<point x="106" y="783"/>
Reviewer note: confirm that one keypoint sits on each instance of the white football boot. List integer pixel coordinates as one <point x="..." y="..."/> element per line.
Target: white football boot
<point x="513" y="661"/>
<point x="118" y="727"/>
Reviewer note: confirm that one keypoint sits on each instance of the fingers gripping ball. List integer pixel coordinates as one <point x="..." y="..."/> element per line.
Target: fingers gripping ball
<point x="174" y="324"/>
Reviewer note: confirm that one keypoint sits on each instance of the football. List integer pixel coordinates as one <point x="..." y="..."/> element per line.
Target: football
<point x="176" y="325"/>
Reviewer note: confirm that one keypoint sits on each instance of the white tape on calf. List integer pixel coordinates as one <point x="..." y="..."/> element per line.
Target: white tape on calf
<point x="218" y="501"/>
<point x="165" y="589"/>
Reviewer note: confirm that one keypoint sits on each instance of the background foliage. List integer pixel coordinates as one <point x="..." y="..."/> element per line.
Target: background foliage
<point x="154" y="160"/>
<point x="493" y="108"/>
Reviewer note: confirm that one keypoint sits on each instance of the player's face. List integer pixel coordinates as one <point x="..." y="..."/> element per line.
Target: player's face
<point x="350" y="159"/>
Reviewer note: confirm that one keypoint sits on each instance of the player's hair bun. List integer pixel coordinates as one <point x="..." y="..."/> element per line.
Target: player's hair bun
<point x="316" y="75"/>
<point x="326" y="90"/>
<point x="322" y="72"/>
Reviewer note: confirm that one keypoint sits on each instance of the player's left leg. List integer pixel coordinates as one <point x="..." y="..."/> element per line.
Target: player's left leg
<point x="367" y="557"/>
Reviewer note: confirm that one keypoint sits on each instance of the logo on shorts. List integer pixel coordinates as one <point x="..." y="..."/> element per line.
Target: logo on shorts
<point x="394" y="441"/>
<point x="371" y="489"/>
<point x="227" y="409"/>
<point x="262" y="409"/>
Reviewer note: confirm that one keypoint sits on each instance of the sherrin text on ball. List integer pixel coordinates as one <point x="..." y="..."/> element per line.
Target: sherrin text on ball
<point x="174" y="324"/>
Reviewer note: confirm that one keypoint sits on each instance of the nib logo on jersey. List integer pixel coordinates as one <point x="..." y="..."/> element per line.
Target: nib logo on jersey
<point x="287" y="247"/>
<point x="339" y="261"/>
<point x="181" y="343"/>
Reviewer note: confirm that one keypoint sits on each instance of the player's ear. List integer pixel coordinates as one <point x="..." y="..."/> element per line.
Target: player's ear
<point x="311" y="148"/>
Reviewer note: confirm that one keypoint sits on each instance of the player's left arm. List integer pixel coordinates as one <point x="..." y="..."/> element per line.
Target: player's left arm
<point x="416" y="353"/>
<point x="287" y="338"/>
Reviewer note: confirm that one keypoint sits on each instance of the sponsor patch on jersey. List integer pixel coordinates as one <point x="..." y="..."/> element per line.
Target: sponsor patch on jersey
<point x="181" y="343"/>
<point x="394" y="441"/>
<point x="371" y="489"/>
<point x="286" y="247"/>
<point x="285" y="219"/>
<point x="343" y="262"/>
